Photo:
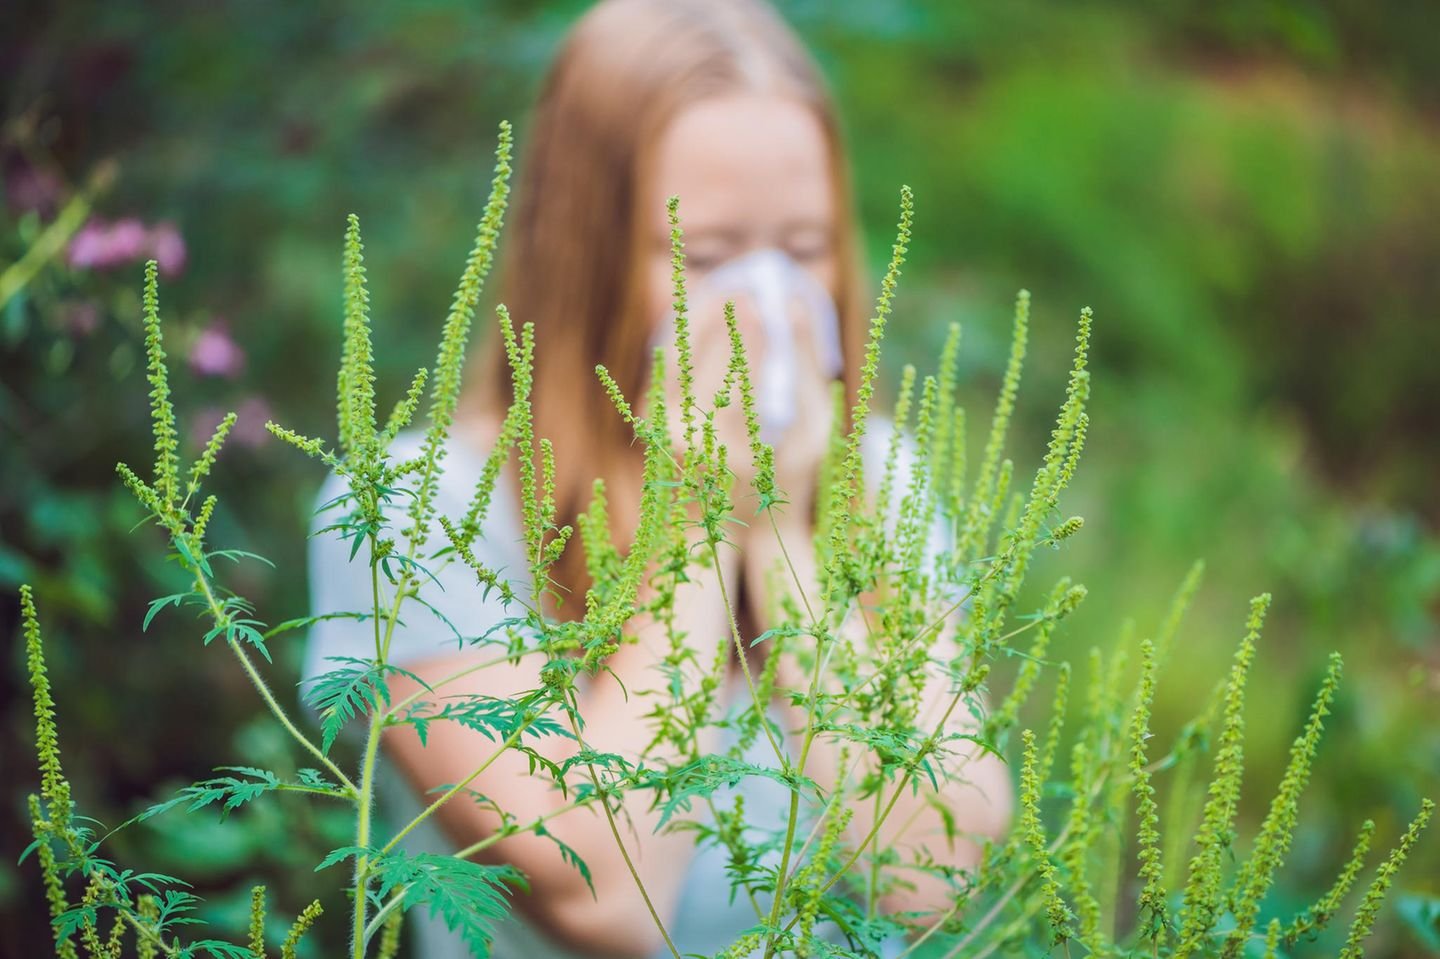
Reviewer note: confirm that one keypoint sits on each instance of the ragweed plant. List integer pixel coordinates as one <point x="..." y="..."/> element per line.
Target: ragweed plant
<point x="889" y="620"/>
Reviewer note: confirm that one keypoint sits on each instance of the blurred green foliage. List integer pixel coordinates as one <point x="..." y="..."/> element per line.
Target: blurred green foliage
<point x="1246" y="193"/>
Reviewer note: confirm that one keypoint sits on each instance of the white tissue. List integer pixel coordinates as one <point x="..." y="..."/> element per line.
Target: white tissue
<point x="783" y="292"/>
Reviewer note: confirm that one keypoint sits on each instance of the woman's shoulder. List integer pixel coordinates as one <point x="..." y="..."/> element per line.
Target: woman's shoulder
<point x="462" y="459"/>
<point x="875" y="445"/>
<point x="340" y="580"/>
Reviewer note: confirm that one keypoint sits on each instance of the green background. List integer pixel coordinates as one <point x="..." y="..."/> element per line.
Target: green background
<point x="1247" y="194"/>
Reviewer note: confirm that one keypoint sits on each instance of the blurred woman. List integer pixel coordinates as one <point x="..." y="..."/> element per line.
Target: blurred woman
<point x="719" y="104"/>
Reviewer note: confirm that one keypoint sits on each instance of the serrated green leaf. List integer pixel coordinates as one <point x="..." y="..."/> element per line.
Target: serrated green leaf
<point x="342" y="693"/>
<point x="158" y="604"/>
<point x="469" y="897"/>
<point x="569" y="855"/>
<point x="711" y="773"/>
<point x="341" y="854"/>
<point x="218" y="948"/>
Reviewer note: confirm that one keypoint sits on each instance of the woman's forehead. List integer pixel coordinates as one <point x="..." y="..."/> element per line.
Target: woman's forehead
<point x="742" y="161"/>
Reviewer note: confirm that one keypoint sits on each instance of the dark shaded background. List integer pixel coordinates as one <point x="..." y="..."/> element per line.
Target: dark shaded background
<point x="1248" y="194"/>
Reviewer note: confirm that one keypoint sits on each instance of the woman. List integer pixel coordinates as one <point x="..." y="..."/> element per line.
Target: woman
<point x="717" y="103"/>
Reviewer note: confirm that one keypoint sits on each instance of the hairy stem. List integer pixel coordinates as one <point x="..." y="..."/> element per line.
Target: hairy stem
<point x="760" y="712"/>
<point x="619" y="840"/>
<point x="450" y="793"/>
<point x="263" y="688"/>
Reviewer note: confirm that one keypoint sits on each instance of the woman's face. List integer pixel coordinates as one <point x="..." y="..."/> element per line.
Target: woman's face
<point x="752" y="171"/>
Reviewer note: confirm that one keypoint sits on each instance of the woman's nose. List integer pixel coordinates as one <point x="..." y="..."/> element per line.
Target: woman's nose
<point x="749" y="323"/>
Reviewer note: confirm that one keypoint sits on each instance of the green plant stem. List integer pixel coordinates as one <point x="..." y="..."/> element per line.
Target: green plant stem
<point x="377" y="723"/>
<point x="1032" y="907"/>
<point x="310" y="790"/>
<point x="760" y="712"/>
<point x="619" y="840"/>
<point x="362" y="835"/>
<point x="825" y="812"/>
<point x="540" y="820"/>
<point x="450" y="793"/>
<point x="375" y="600"/>
<point x="938" y="623"/>
<point x="263" y="688"/>
<point x="872" y="878"/>
<point x="143" y="930"/>
<point x="869" y="836"/>
<point x="383" y="913"/>
<point x="905" y="645"/>
<point x="367" y="769"/>
<point x="284" y="720"/>
<point x="900" y="787"/>
<point x="394" y="901"/>
<point x="894" y="796"/>
<point x="794" y="573"/>
<point x="881" y="814"/>
<point x="810" y="730"/>
<point x="816" y="828"/>
<point x="402" y="704"/>
<point x="46" y="246"/>
<point x="782" y="875"/>
<point x="995" y="910"/>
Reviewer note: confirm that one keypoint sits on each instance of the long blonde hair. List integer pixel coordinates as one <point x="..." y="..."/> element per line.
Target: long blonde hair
<point x="577" y="240"/>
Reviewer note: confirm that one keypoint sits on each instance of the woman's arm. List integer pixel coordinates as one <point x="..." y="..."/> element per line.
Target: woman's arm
<point x="615" y="920"/>
<point x="976" y="789"/>
<point x="977" y="786"/>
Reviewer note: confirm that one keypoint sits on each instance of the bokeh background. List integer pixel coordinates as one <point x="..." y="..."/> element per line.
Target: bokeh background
<point x="1247" y="193"/>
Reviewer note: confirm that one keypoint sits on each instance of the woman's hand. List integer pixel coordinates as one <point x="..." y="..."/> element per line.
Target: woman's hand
<point x="710" y="357"/>
<point x="801" y="390"/>
<point x="800" y="449"/>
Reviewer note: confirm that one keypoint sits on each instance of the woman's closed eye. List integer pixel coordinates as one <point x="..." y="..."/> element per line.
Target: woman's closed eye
<point x="808" y="245"/>
<point x="710" y="246"/>
<point x="697" y="263"/>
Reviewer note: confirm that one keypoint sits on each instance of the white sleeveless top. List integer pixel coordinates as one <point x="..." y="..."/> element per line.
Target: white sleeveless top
<point x="708" y="918"/>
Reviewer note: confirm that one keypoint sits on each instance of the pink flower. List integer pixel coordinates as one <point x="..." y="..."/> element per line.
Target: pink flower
<point x="103" y="246"/>
<point x="128" y="240"/>
<point x="214" y="353"/>
<point x="249" y="430"/>
<point x="203" y="423"/>
<point x="89" y="246"/>
<point x="250" y="419"/>
<point x="167" y="246"/>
